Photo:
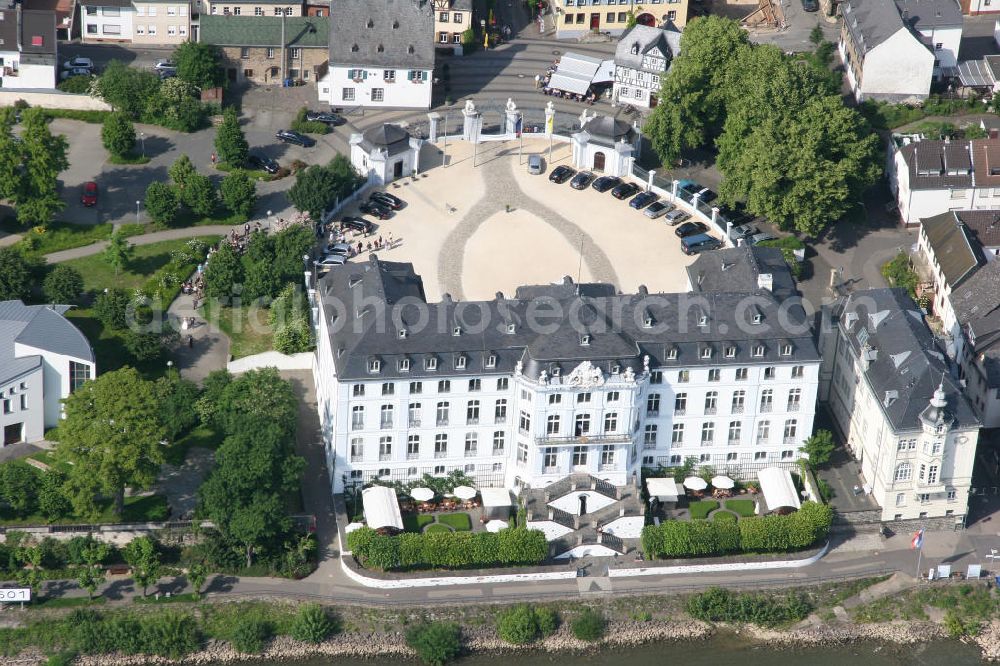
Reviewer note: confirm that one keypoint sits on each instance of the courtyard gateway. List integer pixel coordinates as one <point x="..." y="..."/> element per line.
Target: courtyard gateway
<point x="560" y="378"/>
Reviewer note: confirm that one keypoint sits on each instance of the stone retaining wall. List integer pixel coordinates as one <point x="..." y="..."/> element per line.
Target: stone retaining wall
<point x="54" y="99"/>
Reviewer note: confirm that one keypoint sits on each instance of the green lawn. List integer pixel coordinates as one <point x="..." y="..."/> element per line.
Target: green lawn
<point x="437" y="527"/>
<point x="147" y="508"/>
<point x="247" y="328"/>
<point x="460" y="522"/>
<point x="188" y="219"/>
<point x="56" y="236"/>
<point x="66" y="602"/>
<point x="700" y="509"/>
<point x="741" y="507"/>
<point x="416" y="522"/>
<point x="202" y="436"/>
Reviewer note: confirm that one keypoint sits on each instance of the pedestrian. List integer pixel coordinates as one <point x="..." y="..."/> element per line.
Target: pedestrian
<point x="246" y="229"/>
<point x="201" y="267"/>
<point x="213" y="158"/>
<point x="360" y="247"/>
<point x="538" y="80"/>
<point x="379" y="242"/>
<point x="369" y="246"/>
<point x="389" y="242"/>
<point x="190" y="342"/>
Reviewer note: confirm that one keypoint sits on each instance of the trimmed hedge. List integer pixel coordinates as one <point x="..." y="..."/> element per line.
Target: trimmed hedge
<point x="764" y="534"/>
<point x="447" y="550"/>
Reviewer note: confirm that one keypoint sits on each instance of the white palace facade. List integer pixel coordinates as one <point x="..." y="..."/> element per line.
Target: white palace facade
<point x="561" y="378"/>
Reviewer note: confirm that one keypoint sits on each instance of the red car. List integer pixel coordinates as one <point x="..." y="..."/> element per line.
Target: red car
<point x="89" y="197"/>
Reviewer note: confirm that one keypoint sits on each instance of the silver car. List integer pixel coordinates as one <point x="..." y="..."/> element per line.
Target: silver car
<point x="657" y="209"/>
<point x="675" y="217"/>
<point x="330" y="261"/>
<point x="535" y="165"/>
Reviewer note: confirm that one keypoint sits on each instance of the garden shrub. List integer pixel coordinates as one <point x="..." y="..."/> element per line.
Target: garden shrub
<point x="719" y="605"/>
<point x="518" y="625"/>
<point x="588" y="625"/>
<point x="548" y="620"/>
<point x="300" y="124"/>
<point x="449" y="550"/>
<point x="312" y="624"/>
<point x="250" y="634"/>
<point x="436" y="643"/>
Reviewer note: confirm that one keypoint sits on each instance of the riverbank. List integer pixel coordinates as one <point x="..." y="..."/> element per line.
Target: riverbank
<point x="620" y="635"/>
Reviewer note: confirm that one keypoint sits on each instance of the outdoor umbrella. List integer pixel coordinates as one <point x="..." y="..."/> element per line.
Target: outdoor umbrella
<point x="496" y="525"/>
<point x="723" y="482"/>
<point x="422" y="494"/>
<point x="465" y="492"/>
<point x="695" y="483"/>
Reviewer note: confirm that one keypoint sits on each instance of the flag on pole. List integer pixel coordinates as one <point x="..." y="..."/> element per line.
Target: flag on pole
<point x="519" y="126"/>
<point x="918" y="539"/>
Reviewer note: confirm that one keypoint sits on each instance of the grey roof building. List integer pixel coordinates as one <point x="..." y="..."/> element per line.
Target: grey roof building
<point x="382" y="33"/>
<point x="42" y="358"/>
<point x="640" y="40"/>
<point x="391" y="138"/>
<point x="955" y="250"/>
<point x="760" y="267"/>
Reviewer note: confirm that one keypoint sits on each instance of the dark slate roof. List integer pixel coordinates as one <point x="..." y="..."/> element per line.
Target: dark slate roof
<point x="986" y="162"/>
<point x="647" y="38"/>
<point x="908" y="365"/>
<point x="107" y="3"/>
<point x="382" y="33"/>
<point x="737" y="268"/>
<point x="392" y="138"/>
<point x="934" y="164"/>
<point x="38" y="26"/>
<point x="8" y="30"/>
<point x="609" y="129"/>
<point x="38" y="326"/>
<point x="930" y="14"/>
<point x="871" y="22"/>
<point x="956" y="252"/>
<point x="300" y="31"/>
<point x="377" y="311"/>
<point x="984" y="225"/>
<point x="976" y="304"/>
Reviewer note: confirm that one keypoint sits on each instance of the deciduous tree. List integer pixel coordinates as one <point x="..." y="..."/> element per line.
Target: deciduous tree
<point x="223" y="274"/>
<point x="15" y="275"/>
<point x="118" y="252"/>
<point x="118" y="134"/>
<point x="200" y="196"/>
<point x="181" y="171"/>
<point x="239" y="193"/>
<point x="143" y="557"/>
<point x="230" y="143"/>
<point x="162" y="203"/>
<point x="63" y="284"/>
<point x="127" y="89"/>
<point x="45" y="158"/>
<point x="199" y="63"/>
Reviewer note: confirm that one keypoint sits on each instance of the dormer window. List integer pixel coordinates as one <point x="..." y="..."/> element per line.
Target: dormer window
<point x="616" y="369"/>
<point x="672" y="353"/>
<point x="404" y="365"/>
<point x="635" y="49"/>
<point x="409" y="50"/>
<point x="786" y="350"/>
<point x="402" y="334"/>
<point x="757" y="318"/>
<point x="395" y="25"/>
<point x="491" y="361"/>
<point x="511" y="328"/>
<point x="432" y="363"/>
<point x="730" y="351"/>
<point x="460" y="362"/>
<point x="703" y="320"/>
<point x="758" y="350"/>
<point x="456" y="331"/>
<point x="556" y="370"/>
<point x="706" y="352"/>
<point x="374" y="365"/>
<point x="380" y="48"/>
<point x="371" y="23"/>
<point x="354" y="48"/>
<point x="647" y="321"/>
<point x="585" y="340"/>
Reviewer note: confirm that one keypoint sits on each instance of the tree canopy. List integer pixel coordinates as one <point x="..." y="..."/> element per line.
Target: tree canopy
<point x="786" y="143"/>
<point x="43" y="155"/>
<point x="15" y="275"/>
<point x="118" y="134"/>
<point x="199" y="64"/>
<point x="317" y="188"/>
<point x="230" y="143"/>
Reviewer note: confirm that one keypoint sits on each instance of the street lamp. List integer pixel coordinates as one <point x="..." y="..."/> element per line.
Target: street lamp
<point x="137" y="203"/>
<point x="269" y="221"/>
<point x="142" y="142"/>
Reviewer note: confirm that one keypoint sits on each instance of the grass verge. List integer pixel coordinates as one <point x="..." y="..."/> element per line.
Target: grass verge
<point x="701" y="508"/>
<point x="247" y="328"/>
<point x="55" y="236"/>
<point x="128" y="159"/>
<point x="741" y="507"/>
<point x="460" y="522"/>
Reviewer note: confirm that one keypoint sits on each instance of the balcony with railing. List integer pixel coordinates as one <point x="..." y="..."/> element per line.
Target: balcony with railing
<point x="765" y="407"/>
<point x="414" y="422"/>
<point x="472" y="421"/>
<point x="500" y="419"/>
<point x="580" y="440"/>
<point x="789" y="440"/>
<point x="471" y="453"/>
<point x="442" y="421"/>
<point x="498" y="452"/>
<point x="710" y="411"/>
<point x="412" y="455"/>
<point x="652" y="413"/>
<point x="738" y="409"/>
<point x="680" y="412"/>
<point x="794" y="406"/>
<point x="440" y="454"/>
<point x="386" y="424"/>
<point x="384" y="456"/>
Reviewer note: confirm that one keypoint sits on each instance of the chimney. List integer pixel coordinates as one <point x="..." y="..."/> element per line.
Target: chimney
<point x="994" y="133"/>
<point x="765" y="281"/>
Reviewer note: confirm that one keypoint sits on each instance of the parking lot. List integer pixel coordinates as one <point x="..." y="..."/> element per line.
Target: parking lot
<point x="471" y="231"/>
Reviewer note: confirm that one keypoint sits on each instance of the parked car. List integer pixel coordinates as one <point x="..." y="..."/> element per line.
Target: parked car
<point x="79" y="63"/>
<point x="357" y="224"/>
<point x="760" y="238"/>
<point x="699" y="243"/>
<point x="643" y="199"/>
<point x="338" y="248"/>
<point x="291" y="136"/>
<point x="165" y="74"/>
<point x="605" y="183"/>
<point x="656" y="209"/>
<point x="561" y="174"/>
<point x="581" y="180"/>
<point x="331" y="260"/>
<point x="386" y="199"/>
<point x="263" y="163"/>
<point x="625" y="190"/>
<point x="324" y="117"/>
<point x="707" y="195"/>
<point x="690" y="229"/>
<point x="375" y="210"/>
<point x="810" y="5"/>
<point x="76" y="71"/>
<point x="89" y="196"/>
<point x="165" y="64"/>
<point x="535" y="165"/>
<point x="742" y="231"/>
<point x="688" y="187"/>
<point x="675" y="217"/>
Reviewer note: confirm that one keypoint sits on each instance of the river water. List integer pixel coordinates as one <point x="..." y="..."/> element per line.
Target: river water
<point x="721" y="650"/>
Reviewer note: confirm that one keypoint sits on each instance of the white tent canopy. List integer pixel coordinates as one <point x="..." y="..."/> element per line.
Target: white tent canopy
<point x="422" y="494"/>
<point x="575" y="73"/>
<point x="381" y="508"/>
<point x="664" y="489"/>
<point x="723" y="482"/>
<point x="465" y="492"/>
<point x="778" y="488"/>
<point x="495" y="497"/>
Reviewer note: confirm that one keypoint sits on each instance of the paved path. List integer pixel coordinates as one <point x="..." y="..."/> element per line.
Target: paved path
<point x="145" y="239"/>
<point x="203" y="347"/>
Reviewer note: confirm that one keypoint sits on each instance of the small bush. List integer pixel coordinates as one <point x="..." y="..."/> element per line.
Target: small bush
<point x="436" y="643"/>
<point x="518" y="625"/>
<point x="548" y="620"/>
<point x="250" y="634"/>
<point x="77" y="85"/>
<point x="719" y="605"/>
<point x="300" y="124"/>
<point x="588" y="625"/>
<point x="312" y="624"/>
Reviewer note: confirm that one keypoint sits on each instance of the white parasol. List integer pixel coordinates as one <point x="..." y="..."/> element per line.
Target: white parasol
<point x="496" y="525"/>
<point x="465" y="492"/>
<point x="695" y="483"/>
<point x="723" y="482"/>
<point x="422" y="494"/>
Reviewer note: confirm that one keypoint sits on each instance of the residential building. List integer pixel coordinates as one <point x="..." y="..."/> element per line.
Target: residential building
<point x="929" y="176"/>
<point x="896" y="406"/>
<point x="560" y="378"/>
<point x="43" y="358"/>
<point x="642" y="57"/>
<point x="107" y="20"/>
<point x="29" y="52"/>
<point x="721" y="269"/>
<point x="975" y="337"/>
<point x="978" y="7"/>
<point x="385" y="153"/>
<point x="380" y="54"/>
<point x="982" y="76"/>
<point x="317" y="9"/>
<point x="892" y="49"/>
<point x="269" y="50"/>
<point x="451" y="19"/>
<point x="256" y="8"/>
<point x="575" y="18"/>
<point x="954" y="246"/>
<point x="160" y="22"/>
<point x="605" y="145"/>
<point x="64" y="11"/>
